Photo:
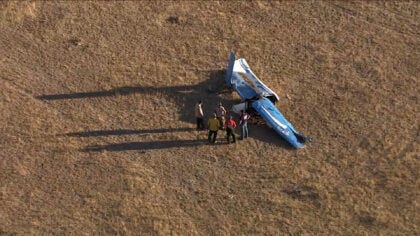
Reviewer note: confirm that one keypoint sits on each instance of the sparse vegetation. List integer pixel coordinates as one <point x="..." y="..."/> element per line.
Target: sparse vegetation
<point x="97" y="118"/>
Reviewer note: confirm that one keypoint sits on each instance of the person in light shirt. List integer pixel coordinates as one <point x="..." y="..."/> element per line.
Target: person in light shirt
<point x="199" y="115"/>
<point x="243" y="122"/>
<point x="220" y="114"/>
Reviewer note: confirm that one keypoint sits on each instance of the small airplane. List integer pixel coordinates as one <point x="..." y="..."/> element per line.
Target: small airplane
<point x="257" y="98"/>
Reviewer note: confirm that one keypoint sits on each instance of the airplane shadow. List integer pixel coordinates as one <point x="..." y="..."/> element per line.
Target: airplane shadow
<point x="208" y="91"/>
<point x="267" y="135"/>
<point x="211" y="92"/>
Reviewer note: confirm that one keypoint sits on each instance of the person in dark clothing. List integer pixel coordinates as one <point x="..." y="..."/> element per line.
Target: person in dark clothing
<point x="243" y="122"/>
<point x="230" y="125"/>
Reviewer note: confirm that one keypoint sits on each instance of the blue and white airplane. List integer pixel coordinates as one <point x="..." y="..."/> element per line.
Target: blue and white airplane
<point x="257" y="96"/>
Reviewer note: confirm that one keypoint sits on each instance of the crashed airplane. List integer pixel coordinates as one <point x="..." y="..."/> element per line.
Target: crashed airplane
<point x="259" y="99"/>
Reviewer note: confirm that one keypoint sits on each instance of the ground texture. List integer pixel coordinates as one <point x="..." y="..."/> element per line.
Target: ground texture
<point x="97" y="126"/>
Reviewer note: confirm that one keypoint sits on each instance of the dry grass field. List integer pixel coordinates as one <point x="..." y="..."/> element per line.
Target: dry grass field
<point x="97" y="127"/>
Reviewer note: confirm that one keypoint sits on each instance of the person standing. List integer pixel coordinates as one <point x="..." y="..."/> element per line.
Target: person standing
<point x="220" y="114"/>
<point x="213" y="125"/>
<point x="230" y="125"/>
<point x="199" y="115"/>
<point x="243" y="122"/>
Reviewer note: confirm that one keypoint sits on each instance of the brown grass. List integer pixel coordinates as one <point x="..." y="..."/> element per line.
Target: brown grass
<point x="97" y="137"/>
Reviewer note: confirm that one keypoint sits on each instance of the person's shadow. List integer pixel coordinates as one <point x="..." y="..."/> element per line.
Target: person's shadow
<point x="143" y="146"/>
<point x="211" y="92"/>
<point x="97" y="133"/>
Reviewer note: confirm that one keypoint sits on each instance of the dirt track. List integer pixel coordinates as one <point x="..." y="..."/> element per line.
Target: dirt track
<point x="97" y="118"/>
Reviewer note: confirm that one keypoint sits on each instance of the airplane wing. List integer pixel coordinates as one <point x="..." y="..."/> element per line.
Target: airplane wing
<point x="278" y="122"/>
<point x="241" y="67"/>
<point x="233" y="79"/>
